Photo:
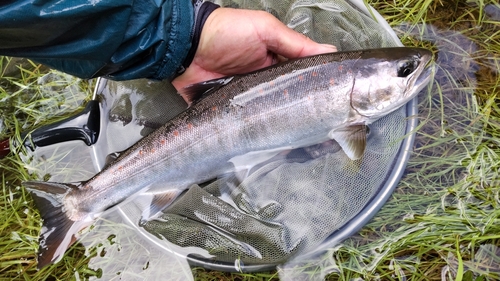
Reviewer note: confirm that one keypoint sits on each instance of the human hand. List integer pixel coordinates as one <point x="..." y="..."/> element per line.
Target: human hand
<point x="237" y="41"/>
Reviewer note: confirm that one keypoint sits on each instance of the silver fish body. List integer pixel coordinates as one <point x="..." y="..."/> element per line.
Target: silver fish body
<point x="289" y="105"/>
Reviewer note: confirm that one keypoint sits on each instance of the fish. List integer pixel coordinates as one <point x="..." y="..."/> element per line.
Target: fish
<point x="232" y="120"/>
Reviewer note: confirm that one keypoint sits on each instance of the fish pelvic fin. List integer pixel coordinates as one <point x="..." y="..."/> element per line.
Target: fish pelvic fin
<point x="58" y="231"/>
<point x="352" y="139"/>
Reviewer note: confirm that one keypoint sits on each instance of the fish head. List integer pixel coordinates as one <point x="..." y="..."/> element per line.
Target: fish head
<point x="386" y="79"/>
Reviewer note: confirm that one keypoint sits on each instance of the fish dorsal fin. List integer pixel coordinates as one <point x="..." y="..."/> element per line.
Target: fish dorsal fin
<point x="352" y="139"/>
<point x="194" y="92"/>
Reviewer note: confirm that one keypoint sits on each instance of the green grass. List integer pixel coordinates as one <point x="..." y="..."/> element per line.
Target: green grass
<point x="443" y="220"/>
<point x="31" y="96"/>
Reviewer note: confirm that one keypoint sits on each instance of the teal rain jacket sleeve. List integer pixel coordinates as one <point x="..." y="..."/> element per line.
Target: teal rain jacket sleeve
<point x="117" y="39"/>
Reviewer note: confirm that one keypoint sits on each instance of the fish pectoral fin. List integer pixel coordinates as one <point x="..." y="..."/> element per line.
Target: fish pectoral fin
<point x="58" y="230"/>
<point x="194" y="92"/>
<point x="352" y="139"/>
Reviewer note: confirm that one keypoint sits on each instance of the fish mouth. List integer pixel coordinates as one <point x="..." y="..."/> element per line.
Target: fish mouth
<point x="423" y="75"/>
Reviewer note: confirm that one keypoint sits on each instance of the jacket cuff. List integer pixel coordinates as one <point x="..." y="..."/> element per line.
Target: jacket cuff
<point x="179" y="41"/>
<point x="201" y="12"/>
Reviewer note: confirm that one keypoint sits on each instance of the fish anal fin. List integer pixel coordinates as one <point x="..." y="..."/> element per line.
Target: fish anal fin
<point x="154" y="202"/>
<point x="352" y="139"/>
<point x="58" y="231"/>
<point x="194" y="92"/>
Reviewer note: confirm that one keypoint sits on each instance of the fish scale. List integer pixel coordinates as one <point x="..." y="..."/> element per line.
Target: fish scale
<point x="235" y="121"/>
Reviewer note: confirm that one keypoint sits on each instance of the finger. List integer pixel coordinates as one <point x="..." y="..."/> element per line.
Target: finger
<point x="284" y="41"/>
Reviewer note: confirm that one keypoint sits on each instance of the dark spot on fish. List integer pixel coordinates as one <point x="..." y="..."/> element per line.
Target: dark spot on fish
<point x="176" y="133"/>
<point x="341" y="67"/>
<point x="384" y="94"/>
<point x="190" y="126"/>
<point x="301" y="77"/>
<point x="163" y="141"/>
<point x="314" y="74"/>
<point x="332" y="81"/>
<point x="285" y="93"/>
<point x="363" y="105"/>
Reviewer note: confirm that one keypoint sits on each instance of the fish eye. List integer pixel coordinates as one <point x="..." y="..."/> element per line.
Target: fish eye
<point x="406" y="68"/>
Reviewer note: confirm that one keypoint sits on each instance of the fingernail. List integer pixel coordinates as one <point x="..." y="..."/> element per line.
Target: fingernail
<point x="330" y="46"/>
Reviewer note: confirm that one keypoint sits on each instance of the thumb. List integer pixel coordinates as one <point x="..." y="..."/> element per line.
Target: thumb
<point x="284" y="41"/>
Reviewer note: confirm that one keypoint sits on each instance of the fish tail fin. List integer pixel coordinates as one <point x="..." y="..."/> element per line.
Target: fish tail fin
<point x="58" y="231"/>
